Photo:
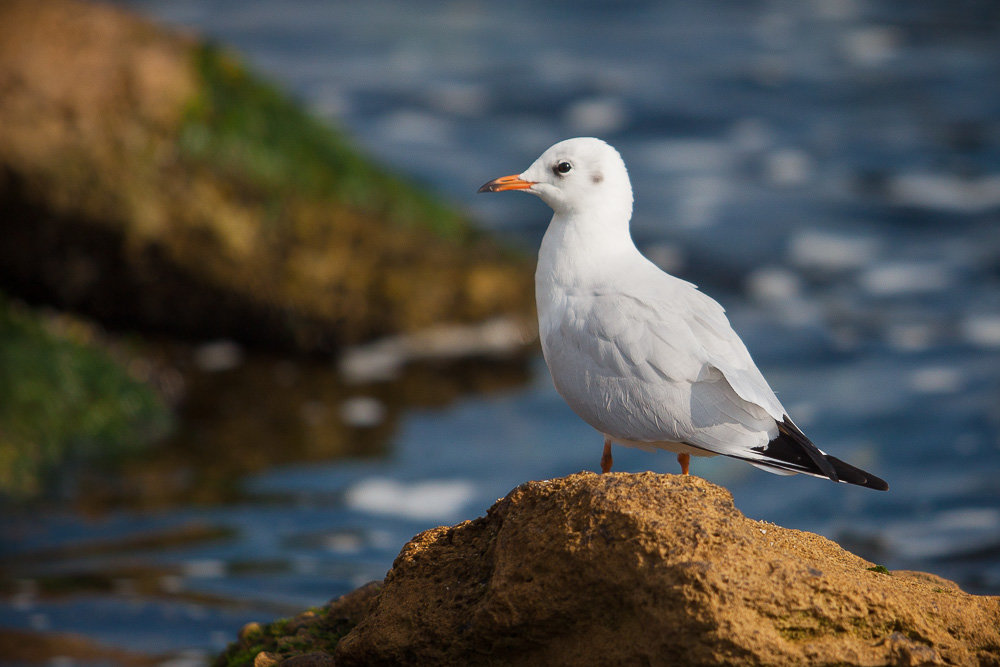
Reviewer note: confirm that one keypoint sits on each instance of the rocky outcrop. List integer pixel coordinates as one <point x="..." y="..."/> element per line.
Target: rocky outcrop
<point x="623" y="569"/>
<point x="152" y="182"/>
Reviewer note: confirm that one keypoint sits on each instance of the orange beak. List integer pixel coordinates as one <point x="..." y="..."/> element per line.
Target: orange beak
<point x="512" y="182"/>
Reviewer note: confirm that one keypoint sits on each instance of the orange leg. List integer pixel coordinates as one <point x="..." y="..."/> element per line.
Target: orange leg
<point x="685" y="461"/>
<point x="606" y="460"/>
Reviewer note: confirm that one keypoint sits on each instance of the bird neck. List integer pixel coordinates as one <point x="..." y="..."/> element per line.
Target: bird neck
<point x="578" y="248"/>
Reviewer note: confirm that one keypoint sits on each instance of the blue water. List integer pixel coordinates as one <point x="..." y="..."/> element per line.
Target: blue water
<point x="828" y="170"/>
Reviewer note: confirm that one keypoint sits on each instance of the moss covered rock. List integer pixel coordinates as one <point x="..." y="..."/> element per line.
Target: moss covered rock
<point x="309" y="638"/>
<point x="63" y="398"/>
<point x="153" y="182"/>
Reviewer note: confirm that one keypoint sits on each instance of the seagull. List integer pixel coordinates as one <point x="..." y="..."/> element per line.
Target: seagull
<point x="642" y="356"/>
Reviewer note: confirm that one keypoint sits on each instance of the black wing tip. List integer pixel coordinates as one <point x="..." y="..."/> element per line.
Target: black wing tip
<point x="857" y="476"/>
<point x="792" y="448"/>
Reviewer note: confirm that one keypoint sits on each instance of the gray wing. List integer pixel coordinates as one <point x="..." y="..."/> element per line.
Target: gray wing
<point x="661" y="363"/>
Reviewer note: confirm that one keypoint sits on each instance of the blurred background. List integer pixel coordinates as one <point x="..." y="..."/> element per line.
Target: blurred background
<point x="215" y="410"/>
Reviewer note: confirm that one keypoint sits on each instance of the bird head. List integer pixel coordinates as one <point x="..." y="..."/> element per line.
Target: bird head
<point x="575" y="174"/>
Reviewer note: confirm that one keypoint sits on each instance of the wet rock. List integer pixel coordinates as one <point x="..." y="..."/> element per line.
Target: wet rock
<point x="152" y="182"/>
<point x="622" y="569"/>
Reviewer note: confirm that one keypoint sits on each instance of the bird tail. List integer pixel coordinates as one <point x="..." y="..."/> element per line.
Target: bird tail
<point x="792" y="452"/>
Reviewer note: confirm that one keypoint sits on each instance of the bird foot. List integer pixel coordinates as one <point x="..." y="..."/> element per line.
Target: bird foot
<point x="685" y="461"/>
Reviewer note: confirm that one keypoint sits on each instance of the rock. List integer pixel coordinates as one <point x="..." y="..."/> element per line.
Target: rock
<point x="150" y="181"/>
<point x="307" y="640"/>
<point x="623" y="569"/>
<point x="65" y="394"/>
<point x="313" y="659"/>
<point x="250" y="630"/>
<point x="351" y="608"/>
<point x="266" y="659"/>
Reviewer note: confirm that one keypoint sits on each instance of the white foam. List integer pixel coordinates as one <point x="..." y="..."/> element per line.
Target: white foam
<point x="945" y="533"/>
<point x="982" y="330"/>
<point x="829" y="252"/>
<point x="946" y="192"/>
<point x="972" y="518"/>
<point x="383" y="359"/>
<point x="906" y="278"/>
<point x="431" y="500"/>
<point x="936" y="380"/>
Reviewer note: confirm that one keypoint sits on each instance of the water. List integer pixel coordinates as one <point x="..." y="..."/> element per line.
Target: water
<point x="828" y="170"/>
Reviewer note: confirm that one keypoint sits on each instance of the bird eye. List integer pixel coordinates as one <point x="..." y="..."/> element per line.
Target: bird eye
<point x="562" y="167"/>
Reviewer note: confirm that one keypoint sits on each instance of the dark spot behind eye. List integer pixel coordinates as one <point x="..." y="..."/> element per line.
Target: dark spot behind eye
<point x="597" y="177"/>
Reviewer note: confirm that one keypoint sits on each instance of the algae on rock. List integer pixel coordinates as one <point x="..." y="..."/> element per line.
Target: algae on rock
<point x="63" y="398"/>
<point x="153" y="182"/>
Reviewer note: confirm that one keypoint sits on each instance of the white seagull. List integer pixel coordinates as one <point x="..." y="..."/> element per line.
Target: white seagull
<point x="646" y="358"/>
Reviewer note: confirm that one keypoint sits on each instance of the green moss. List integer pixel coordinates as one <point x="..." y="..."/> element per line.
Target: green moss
<point x="279" y="627"/>
<point x="881" y="569"/>
<point x="313" y="631"/>
<point x="239" y="657"/>
<point x="256" y="135"/>
<point x="64" y="401"/>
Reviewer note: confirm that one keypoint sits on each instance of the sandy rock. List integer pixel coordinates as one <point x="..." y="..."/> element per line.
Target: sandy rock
<point x="623" y="569"/>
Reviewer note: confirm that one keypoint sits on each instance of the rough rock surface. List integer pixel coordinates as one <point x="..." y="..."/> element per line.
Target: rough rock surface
<point x="623" y="569"/>
<point x="152" y="182"/>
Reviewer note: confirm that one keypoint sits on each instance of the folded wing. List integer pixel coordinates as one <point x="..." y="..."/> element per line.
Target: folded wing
<point x="664" y="365"/>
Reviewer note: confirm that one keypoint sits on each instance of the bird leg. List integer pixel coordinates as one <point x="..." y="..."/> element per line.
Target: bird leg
<point x="606" y="460"/>
<point x="685" y="461"/>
